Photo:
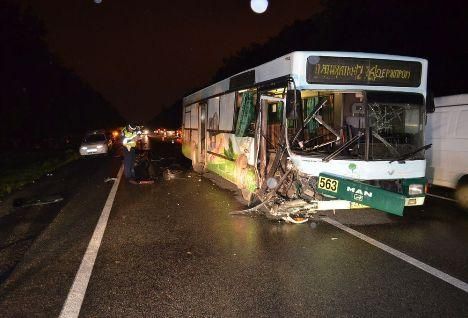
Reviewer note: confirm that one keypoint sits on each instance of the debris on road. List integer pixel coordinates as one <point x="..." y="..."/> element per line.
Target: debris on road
<point x="169" y="174"/>
<point x="138" y="182"/>
<point x="34" y="201"/>
<point x="144" y="169"/>
<point x="145" y="182"/>
<point x="274" y="206"/>
<point x="110" y="179"/>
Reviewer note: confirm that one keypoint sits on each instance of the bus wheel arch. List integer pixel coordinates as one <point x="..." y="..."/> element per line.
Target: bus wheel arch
<point x="461" y="192"/>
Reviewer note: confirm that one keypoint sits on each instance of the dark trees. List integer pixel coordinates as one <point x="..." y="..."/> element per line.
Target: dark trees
<point x="40" y="98"/>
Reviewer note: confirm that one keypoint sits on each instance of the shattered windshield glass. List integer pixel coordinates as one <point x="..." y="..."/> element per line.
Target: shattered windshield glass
<point x="396" y="124"/>
<point x="333" y="124"/>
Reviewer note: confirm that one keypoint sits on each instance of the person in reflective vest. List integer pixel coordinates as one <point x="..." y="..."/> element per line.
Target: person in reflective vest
<point x="129" y="139"/>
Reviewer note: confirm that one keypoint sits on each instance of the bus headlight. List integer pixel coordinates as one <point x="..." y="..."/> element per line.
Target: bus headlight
<point x="415" y="189"/>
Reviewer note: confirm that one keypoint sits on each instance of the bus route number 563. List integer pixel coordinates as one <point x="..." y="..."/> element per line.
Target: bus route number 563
<point x="328" y="184"/>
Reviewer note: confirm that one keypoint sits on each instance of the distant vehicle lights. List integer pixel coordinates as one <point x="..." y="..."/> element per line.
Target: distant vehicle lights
<point x="168" y="133"/>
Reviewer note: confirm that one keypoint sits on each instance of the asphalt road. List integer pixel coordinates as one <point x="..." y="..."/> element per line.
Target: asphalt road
<point x="172" y="249"/>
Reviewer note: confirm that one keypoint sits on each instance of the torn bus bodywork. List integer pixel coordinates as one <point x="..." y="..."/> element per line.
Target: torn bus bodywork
<point x="363" y="169"/>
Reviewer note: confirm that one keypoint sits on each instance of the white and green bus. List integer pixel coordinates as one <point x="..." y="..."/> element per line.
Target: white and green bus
<point x="316" y="131"/>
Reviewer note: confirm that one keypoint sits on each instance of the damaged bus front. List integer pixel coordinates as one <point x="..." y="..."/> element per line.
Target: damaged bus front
<point x="355" y="133"/>
<point x="363" y="147"/>
<point x="315" y="131"/>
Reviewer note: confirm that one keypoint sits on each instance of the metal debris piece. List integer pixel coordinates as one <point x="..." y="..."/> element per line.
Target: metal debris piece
<point x="293" y="211"/>
<point x="109" y="179"/>
<point x="169" y="174"/>
<point x="34" y="201"/>
<point x="295" y="220"/>
<point x="145" y="182"/>
<point x="275" y="207"/>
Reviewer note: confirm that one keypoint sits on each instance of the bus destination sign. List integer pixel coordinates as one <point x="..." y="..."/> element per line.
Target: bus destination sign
<point x="362" y="71"/>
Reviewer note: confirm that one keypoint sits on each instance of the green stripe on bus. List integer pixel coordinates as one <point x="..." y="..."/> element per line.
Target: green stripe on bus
<point x="362" y="193"/>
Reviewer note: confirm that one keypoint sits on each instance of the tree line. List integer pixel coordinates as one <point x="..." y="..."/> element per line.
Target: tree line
<point x="39" y="97"/>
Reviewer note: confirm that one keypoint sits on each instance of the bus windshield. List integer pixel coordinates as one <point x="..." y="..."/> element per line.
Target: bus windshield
<point x="357" y="125"/>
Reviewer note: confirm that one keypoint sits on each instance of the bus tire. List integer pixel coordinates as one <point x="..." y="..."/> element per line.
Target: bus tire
<point x="461" y="192"/>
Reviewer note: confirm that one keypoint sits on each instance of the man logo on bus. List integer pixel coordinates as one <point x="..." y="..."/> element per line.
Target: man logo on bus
<point x="359" y="194"/>
<point x="358" y="197"/>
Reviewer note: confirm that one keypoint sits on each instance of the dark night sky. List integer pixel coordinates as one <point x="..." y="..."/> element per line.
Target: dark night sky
<point x="144" y="55"/>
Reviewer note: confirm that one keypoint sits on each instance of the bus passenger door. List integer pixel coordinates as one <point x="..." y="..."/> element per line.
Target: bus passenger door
<point x="271" y="137"/>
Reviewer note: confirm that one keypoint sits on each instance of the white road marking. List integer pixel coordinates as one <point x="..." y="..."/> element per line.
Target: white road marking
<point x="429" y="269"/>
<point x="75" y="297"/>
<point x="440" y="197"/>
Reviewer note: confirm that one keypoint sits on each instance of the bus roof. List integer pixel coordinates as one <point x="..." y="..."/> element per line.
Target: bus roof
<point x="294" y="65"/>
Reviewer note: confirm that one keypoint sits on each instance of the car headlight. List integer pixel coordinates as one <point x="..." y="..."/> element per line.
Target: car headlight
<point x="415" y="189"/>
<point x="84" y="148"/>
<point x="99" y="146"/>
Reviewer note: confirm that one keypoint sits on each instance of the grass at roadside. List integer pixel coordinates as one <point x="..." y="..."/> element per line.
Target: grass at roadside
<point x="20" y="169"/>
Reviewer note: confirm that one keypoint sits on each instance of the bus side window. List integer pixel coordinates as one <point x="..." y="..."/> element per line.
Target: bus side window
<point x="245" y="106"/>
<point x="227" y="112"/>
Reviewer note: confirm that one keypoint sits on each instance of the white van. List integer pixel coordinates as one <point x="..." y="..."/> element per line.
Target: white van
<point x="447" y="160"/>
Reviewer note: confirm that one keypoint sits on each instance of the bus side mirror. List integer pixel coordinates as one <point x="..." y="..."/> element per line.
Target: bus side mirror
<point x="430" y="106"/>
<point x="291" y="109"/>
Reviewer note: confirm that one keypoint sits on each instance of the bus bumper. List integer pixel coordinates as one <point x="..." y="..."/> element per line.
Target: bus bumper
<point x="360" y="194"/>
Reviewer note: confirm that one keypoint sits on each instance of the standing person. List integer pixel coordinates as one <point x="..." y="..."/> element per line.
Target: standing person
<point x="129" y="136"/>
